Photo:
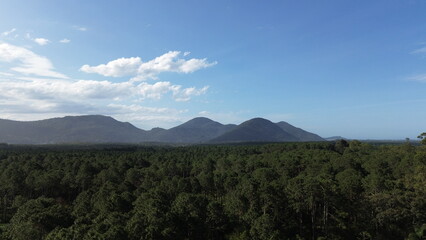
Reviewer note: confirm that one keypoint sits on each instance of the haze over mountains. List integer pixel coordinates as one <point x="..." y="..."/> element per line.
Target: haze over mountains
<point x="104" y="129"/>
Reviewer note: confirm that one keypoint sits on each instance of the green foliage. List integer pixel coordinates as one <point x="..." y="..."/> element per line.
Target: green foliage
<point x="341" y="190"/>
<point x="422" y="137"/>
<point x="37" y="217"/>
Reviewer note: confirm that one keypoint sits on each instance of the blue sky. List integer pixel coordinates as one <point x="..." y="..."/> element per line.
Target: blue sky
<point x="350" y="68"/>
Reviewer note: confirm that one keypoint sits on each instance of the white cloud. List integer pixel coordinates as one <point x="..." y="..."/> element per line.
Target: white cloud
<point x="168" y="62"/>
<point x="186" y="94"/>
<point x="29" y="62"/>
<point x="65" y="40"/>
<point x="33" y="90"/>
<point x="83" y="90"/>
<point x="36" y="87"/>
<point x="117" y="68"/>
<point x="158" y="89"/>
<point x="60" y="90"/>
<point x="7" y="33"/>
<point x="41" y="41"/>
<point x="154" y="91"/>
<point x="36" y="98"/>
<point x="6" y="74"/>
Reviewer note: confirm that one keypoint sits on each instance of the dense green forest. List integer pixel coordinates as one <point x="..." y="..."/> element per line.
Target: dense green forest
<point x="339" y="190"/>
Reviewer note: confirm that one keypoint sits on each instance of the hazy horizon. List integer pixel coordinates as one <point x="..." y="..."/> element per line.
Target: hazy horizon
<point x="354" y="69"/>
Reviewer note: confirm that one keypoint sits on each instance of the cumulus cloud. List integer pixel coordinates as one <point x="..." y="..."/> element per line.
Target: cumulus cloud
<point x="117" y="68"/>
<point x="154" y="91"/>
<point x="33" y="90"/>
<point x="29" y="62"/>
<point x="41" y="41"/>
<point x="7" y="33"/>
<point x="158" y="89"/>
<point x="34" y="98"/>
<point x="60" y="90"/>
<point x="65" y="40"/>
<point x="83" y="90"/>
<point x="168" y="62"/>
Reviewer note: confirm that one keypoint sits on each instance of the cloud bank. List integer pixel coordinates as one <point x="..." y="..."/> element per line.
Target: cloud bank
<point x="32" y="88"/>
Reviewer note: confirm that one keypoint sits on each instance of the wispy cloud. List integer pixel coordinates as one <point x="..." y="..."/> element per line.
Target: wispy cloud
<point x="168" y="62"/>
<point x="7" y="33"/>
<point x="6" y="74"/>
<point x="65" y="40"/>
<point x="418" y="78"/>
<point x="419" y="51"/>
<point x="41" y="41"/>
<point x="186" y="94"/>
<point x="80" y="28"/>
<point x="29" y="63"/>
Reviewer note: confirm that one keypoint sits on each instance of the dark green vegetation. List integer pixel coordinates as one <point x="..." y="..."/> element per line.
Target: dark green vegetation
<point x="341" y="190"/>
<point x="103" y="129"/>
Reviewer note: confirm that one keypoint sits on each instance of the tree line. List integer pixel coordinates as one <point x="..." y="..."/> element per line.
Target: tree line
<point x="338" y="190"/>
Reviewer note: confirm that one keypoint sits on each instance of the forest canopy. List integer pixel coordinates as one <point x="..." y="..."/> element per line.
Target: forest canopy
<point x="339" y="190"/>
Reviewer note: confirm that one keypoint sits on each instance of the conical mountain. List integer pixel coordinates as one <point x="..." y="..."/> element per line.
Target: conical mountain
<point x="302" y="135"/>
<point x="255" y="130"/>
<point x="197" y="130"/>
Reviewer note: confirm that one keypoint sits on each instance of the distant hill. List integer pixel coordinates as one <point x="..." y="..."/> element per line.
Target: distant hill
<point x="299" y="133"/>
<point x="104" y="129"/>
<point x="78" y="129"/>
<point x="256" y="130"/>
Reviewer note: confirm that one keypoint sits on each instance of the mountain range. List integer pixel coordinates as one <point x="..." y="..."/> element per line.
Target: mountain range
<point x="104" y="129"/>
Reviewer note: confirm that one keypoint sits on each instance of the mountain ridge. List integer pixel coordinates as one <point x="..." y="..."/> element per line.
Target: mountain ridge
<point x="105" y="129"/>
<point x="255" y="130"/>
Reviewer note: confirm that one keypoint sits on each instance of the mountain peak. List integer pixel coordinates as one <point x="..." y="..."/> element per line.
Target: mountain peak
<point x="256" y="130"/>
<point x="105" y="129"/>
<point x="257" y="120"/>
<point x="197" y="130"/>
<point x="199" y="121"/>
